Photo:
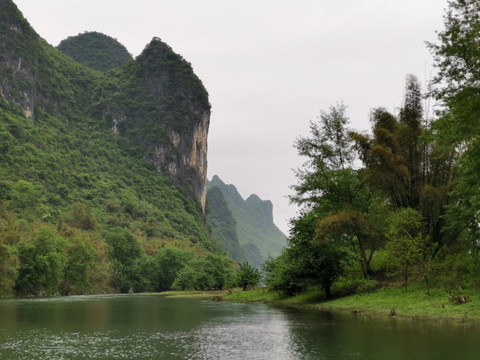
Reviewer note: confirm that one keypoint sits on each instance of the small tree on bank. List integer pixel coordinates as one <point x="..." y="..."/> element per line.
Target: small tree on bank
<point x="248" y="276"/>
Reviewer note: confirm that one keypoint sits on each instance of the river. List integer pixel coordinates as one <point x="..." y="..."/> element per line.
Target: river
<point x="155" y="327"/>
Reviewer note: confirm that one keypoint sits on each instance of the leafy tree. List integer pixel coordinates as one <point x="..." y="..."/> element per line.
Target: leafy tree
<point x="285" y="272"/>
<point x="332" y="189"/>
<point x="168" y="262"/>
<point x="409" y="165"/>
<point x="82" y="217"/>
<point x="308" y="260"/>
<point x="458" y="71"/>
<point x="186" y="279"/>
<point x="456" y="87"/>
<point x="408" y="247"/>
<point x="216" y="272"/>
<point x="80" y="259"/>
<point x="125" y="255"/>
<point x="327" y="150"/>
<point x="24" y="194"/>
<point x="42" y="264"/>
<point x="9" y="238"/>
<point x="247" y="276"/>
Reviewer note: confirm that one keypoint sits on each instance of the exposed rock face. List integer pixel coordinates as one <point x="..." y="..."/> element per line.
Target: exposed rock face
<point x="17" y="79"/>
<point x="156" y="101"/>
<point x="171" y="120"/>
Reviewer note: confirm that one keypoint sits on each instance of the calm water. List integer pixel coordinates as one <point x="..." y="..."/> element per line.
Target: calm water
<point x="152" y="327"/>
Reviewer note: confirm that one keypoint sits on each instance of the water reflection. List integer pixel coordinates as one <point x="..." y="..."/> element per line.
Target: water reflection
<point x="263" y="335"/>
<point x="152" y="327"/>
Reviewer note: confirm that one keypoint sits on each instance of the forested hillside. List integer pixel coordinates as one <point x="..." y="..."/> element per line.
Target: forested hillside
<point x="399" y="204"/>
<point x="251" y="234"/>
<point x="95" y="50"/>
<point x="102" y="174"/>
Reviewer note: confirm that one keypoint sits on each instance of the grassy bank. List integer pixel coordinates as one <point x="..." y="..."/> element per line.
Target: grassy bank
<point x="412" y="303"/>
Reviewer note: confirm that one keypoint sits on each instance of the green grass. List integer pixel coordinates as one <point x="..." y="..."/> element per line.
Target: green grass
<point x="197" y="295"/>
<point x="412" y="303"/>
<point x="256" y="295"/>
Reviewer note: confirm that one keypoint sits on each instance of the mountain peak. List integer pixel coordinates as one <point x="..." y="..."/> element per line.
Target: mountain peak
<point x="254" y="218"/>
<point x="11" y="17"/>
<point x="95" y="50"/>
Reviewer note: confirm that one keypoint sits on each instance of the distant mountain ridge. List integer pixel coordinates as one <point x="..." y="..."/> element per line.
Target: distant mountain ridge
<point x="258" y="236"/>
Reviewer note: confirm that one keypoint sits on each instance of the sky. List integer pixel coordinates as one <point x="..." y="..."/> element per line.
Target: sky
<point x="270" y="67"/>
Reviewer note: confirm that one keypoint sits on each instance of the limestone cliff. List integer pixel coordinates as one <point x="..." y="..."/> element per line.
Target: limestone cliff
<point x="155" y="102"/>
<point x="34" y="77"/>
<point x="163" y="109"/>
<point x="17" y="80"/>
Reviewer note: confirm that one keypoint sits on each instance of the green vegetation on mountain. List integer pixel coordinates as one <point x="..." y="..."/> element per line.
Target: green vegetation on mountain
<point x="88" y="198"/>
<point x="397" y="207"/>
<point x="95" y="50"/>
<point x="258" y="237"/>
<point x="223" y="224"/>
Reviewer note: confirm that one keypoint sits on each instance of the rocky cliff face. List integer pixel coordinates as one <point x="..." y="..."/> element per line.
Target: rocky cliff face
<point x="34" y="77"/>
<point x="17" y="76"/>
<point x="74" y="140"/>
<point x="167" y="117"/>
<point x="156" y="101"/>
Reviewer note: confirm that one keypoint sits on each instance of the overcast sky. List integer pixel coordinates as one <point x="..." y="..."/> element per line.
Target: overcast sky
<point x="269" y="66"/>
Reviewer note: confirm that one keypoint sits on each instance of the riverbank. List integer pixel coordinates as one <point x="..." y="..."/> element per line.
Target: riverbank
<point x="413" y="303"/>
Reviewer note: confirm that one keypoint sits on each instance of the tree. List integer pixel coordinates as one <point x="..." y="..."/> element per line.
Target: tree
<point x="247" y="276"/>
<point x="308" y="260"/>
<point x="42" y="264"/>
<point x="458" y="68"/>
<point x="456" y="56"/>
<point x="319" y="259"/>
<point x="216" y="271"/>
<point x="409" y="164"/>
<point x="332" y="190"/>
<point x="408" y="245"/>
<point x="168" y="262"/>
<point x="186" y="279"/>
<point x="9" y="238"/>
<point x="125" y="255"/>
<point x="81" y="256"/>
<point x="328" y="150"/>
<point x="81" y="217"/>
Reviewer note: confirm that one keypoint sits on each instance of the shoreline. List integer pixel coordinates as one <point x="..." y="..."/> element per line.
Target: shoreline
<point x="372" y="305"/>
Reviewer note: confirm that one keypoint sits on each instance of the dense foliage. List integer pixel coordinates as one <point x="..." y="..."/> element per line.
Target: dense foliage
<point x="95" y="50"/>
<point x="400" y="204"/>
<point x="81" y="208"/>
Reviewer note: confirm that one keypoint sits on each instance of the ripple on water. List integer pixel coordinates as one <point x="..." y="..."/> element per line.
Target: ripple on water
<point x="234" y="338"/>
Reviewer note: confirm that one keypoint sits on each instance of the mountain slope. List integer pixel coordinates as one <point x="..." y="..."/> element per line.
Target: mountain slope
<point x="84" y="152"/>
<point x="223" y="224"/>
<point x="95" y="50"/>
<point x="254" y="222"/>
